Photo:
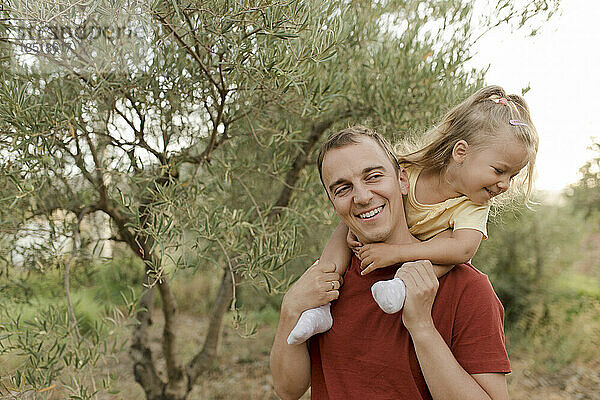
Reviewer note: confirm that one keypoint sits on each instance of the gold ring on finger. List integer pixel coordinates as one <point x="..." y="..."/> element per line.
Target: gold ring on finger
<point x="332" y="285"/>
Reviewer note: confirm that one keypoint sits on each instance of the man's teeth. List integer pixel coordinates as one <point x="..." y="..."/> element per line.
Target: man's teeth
<point x="371" y="213"/>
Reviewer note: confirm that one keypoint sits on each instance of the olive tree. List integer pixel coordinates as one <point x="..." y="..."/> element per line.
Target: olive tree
<point x="190" y="125"/>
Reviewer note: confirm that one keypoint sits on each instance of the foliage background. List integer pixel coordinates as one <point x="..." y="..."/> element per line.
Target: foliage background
<point x="176" y="152"/>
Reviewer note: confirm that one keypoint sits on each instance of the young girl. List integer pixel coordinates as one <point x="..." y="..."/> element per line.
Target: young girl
<point x="469" y="158"/>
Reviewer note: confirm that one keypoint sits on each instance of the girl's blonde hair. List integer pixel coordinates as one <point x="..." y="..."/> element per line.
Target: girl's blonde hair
<point x="481" y="119"/>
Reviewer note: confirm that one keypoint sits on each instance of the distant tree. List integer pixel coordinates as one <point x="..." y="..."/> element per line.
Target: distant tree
<point x="190" y="125"/>
<point x="584" y="195"/>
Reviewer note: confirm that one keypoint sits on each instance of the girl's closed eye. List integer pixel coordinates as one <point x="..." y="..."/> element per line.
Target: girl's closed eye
<point x="498" y="171"/>
<point x="513" y="176"/>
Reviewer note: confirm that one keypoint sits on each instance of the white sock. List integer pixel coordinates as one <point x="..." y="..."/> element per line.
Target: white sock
<point x="311" y="322"/>
<point x="389" y="295"/>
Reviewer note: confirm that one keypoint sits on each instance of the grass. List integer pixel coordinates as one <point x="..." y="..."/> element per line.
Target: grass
<point x="579" y="285"/>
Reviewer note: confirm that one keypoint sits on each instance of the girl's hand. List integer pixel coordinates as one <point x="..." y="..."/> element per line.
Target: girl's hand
<point x="353" y="242"/>
<point x="378" y="255"/>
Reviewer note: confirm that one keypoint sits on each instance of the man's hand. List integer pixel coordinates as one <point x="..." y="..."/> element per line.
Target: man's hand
<point x="378" y="255"/>
<point x="421" y="288"/>
<point x="318" y="285"/>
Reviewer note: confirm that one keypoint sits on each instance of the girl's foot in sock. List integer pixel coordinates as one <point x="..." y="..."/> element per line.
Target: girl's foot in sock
<point x="311" y="322"/>
<point x="389" y="295"/>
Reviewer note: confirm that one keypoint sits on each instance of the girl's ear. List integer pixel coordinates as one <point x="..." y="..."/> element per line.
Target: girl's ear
<point x="460" y="150"/>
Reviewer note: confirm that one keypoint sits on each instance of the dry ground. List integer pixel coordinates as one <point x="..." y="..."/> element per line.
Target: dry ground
<point x="242" y="371"/>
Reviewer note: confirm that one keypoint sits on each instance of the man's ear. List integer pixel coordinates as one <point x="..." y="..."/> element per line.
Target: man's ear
<point x="459" y="151"/>
<point x="403" y="181"/>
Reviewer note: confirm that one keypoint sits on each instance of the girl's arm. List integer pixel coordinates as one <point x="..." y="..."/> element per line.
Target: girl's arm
<point x="443" y="249"/>
<point x="336" y="250"/>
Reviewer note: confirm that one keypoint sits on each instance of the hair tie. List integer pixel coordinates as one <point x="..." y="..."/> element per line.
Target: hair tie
<point x="501" y="100"/>
<point x="516" y="122"/>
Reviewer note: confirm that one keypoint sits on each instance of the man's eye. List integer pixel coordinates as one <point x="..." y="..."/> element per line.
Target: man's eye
<point x="374" y="176"/>
<point x="341" y="190"/>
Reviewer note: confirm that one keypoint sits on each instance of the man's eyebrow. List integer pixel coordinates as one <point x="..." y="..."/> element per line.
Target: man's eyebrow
<point x="364" y="172"/>
<point x="369" y="169"/>
<point x="336" y="183"/>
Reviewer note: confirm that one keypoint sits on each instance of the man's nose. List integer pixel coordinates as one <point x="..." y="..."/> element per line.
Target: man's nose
<point x="362" y="194"/>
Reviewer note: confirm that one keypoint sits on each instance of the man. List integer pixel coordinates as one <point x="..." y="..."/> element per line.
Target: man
<point x="446" y="343"/>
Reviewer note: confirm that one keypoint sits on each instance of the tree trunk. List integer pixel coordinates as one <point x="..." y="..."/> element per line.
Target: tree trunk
<point x="145" y="373"/>
<point x="202" y="360"/>
<point x="144" y="370"/>
<point x="177" y="383"/>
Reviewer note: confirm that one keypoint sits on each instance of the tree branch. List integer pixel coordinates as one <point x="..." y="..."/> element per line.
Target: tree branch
<point x="82" y="213"/>
<point x="260" y="216"/>
<point x="301" y="160"/>
<point x="140" y="137"/>
<point x="77" y="157"/>
<point x="102" y="190"/>
<point x="68" y="297"/>
<point x="204" y="69"/>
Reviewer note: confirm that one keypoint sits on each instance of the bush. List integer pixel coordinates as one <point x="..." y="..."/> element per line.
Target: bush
<point x="526" y="251"/>
<point x="552" y="312"/>
<point x="51" y="351"/>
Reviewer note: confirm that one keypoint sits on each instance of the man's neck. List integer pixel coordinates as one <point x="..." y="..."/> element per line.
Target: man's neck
<point x="401" y="236"/>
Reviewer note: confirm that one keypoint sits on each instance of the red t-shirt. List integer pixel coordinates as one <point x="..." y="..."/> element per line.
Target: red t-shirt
<point x="369" y="354"/>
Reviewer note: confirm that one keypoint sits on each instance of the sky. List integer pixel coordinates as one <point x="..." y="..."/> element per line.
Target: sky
<point x="561" y="64"/>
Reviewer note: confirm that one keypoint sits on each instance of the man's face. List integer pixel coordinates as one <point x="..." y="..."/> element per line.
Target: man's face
<point x="365" y="190"/>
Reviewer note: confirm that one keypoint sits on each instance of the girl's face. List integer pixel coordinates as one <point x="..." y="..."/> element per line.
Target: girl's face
<point x="485" y="172"/>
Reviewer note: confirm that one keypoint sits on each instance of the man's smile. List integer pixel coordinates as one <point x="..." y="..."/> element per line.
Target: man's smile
<point x="370" y="213"/>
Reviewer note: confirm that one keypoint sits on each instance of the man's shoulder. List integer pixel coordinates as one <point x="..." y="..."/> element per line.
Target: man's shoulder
<point x="467" y="270"/>
<point x="469" y="292"/>
<point x="467" y="278"/>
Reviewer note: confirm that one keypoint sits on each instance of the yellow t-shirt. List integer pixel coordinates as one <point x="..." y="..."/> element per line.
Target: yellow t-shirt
<point x="427" y="220"/>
